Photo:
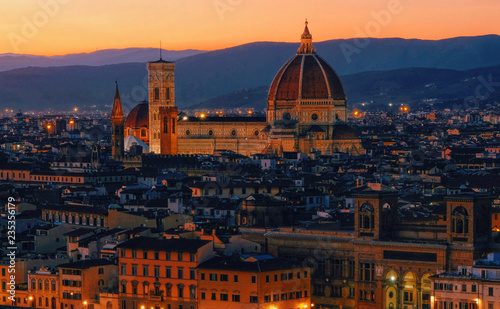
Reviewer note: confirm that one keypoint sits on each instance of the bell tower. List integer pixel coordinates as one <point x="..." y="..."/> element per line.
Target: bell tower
<point x="469" y="219"/>
<point x="162" y="110"/>
<point x="117" y="126"/>
<point x="375" y="214"/>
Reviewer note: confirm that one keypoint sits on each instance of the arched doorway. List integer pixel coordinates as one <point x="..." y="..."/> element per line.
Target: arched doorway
<point x="53" y="303"/>
<point x="409" y="297"/>
<point x="391" y="290"/>
<point x="109" y="305"/>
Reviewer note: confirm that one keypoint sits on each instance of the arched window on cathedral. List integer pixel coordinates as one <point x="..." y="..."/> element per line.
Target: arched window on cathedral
<point x="460" y="221"/>
<point x="143" y="132"/>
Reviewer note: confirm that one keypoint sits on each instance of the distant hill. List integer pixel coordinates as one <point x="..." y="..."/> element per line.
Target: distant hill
<point x="209" y="75"/>
<point x="242" y="98"/>
<point x="101" y="57"/>
<point x="66" y="87"/>
<point x="253" y="65"/>
<point x="414" y="86"/>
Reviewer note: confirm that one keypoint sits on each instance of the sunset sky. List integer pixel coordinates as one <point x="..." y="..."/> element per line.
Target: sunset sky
<point x="55" y="27"/>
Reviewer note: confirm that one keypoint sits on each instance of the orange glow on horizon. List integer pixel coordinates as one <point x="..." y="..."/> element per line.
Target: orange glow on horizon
<point x="210" y="25"/>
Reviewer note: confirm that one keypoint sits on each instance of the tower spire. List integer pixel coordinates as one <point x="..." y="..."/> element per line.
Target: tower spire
<point x="117" y="126"/>
<point x="306" y="42"/>
<point x="117" y="111"/>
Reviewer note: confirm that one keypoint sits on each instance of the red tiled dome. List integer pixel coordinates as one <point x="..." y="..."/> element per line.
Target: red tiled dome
<point x="138" y="116"/>
<point x="306" y="76"/>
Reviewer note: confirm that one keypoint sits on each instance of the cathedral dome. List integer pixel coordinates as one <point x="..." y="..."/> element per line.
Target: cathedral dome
<point x="306" y="76"/>
<point x="138" y="116"/>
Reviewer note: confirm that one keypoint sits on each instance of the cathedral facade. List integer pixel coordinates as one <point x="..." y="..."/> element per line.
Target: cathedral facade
<point x="306" y="111"/>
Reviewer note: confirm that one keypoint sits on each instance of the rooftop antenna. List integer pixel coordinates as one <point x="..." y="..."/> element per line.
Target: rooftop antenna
<point x="160" y="49"/>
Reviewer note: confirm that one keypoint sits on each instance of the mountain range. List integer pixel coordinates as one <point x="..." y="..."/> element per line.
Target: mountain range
<point x="393" y="70"/>
<point x="417" y="87"/>
<point x="102" y="57"/>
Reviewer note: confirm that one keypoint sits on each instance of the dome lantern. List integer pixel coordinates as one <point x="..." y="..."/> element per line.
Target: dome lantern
<point x="306" y="42"/>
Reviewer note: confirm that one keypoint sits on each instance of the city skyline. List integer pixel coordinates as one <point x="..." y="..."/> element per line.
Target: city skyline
<point x="261" y="176"/>
<point x="49" y="27"/>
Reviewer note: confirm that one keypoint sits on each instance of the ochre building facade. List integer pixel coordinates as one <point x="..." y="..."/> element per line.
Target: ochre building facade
<point x="383" y="262"/>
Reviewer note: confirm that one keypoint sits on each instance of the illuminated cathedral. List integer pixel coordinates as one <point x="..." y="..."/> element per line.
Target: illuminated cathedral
<point x="306" y="112"/>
